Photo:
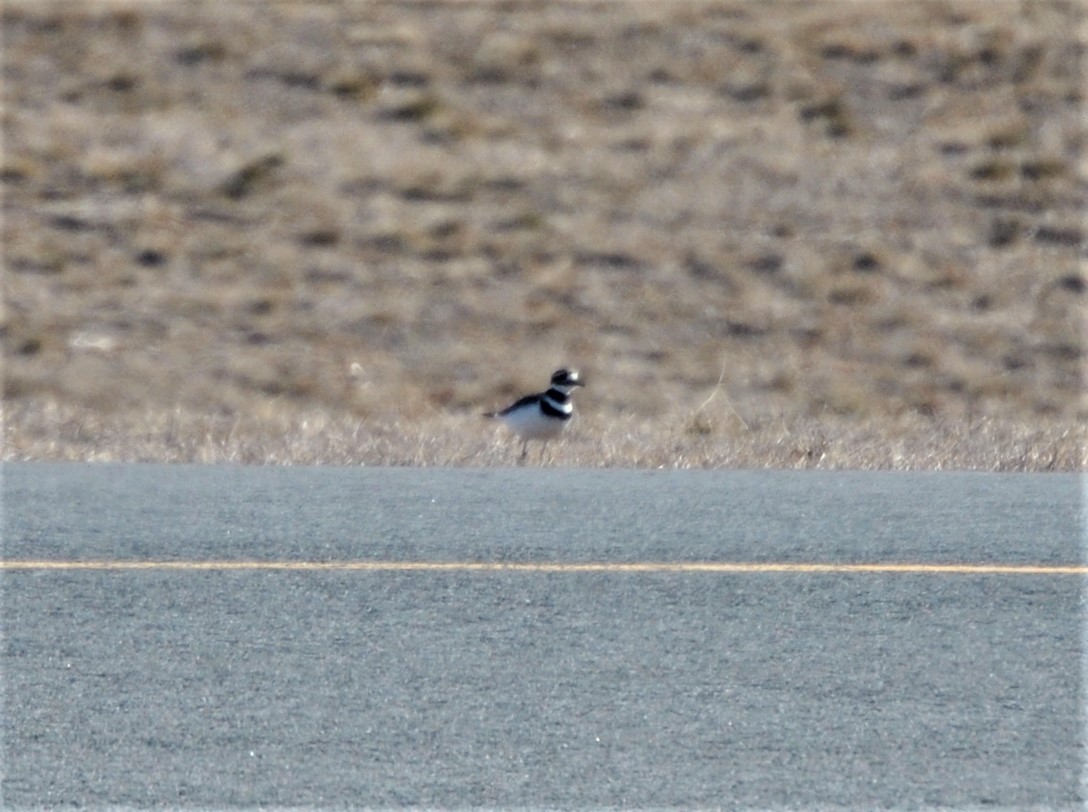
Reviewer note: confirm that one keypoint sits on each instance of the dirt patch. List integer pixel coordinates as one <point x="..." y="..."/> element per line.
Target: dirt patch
<point x="756" y="228"/>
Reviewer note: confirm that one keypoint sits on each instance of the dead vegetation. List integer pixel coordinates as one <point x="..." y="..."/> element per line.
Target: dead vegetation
<point x="334" y="232"/>
<point x="315" y="436"/>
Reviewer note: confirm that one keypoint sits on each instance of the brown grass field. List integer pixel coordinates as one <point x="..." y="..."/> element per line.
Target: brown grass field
<point x="786" y="234"/>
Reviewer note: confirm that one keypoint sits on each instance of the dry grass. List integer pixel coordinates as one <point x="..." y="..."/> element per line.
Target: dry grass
<point x="335" y="232"/>
<point x="318" y="437"/>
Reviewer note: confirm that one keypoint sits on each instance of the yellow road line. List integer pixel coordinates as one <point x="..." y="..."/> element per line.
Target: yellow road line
<point x="722" y="567"/>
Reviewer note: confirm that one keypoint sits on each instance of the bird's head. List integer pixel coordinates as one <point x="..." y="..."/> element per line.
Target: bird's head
<point x="567" y="378"/>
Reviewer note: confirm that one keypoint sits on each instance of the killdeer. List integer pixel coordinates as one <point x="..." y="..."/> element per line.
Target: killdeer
<point x="544" y="415"/>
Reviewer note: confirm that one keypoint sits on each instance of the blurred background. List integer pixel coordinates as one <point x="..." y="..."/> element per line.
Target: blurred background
<point x="395" y="212"/>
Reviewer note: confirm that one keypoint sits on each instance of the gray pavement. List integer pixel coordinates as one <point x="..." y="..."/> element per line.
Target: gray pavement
<point x="172" y="688"/>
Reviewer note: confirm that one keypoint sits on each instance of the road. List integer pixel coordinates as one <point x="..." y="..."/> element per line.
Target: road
<point x="321" y="637"/>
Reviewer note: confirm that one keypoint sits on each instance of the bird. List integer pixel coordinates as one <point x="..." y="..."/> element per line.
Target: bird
<point x="542" y="416"/>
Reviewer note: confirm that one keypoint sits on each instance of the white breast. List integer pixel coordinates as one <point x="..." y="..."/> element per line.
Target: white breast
<point x="531" y="424"/>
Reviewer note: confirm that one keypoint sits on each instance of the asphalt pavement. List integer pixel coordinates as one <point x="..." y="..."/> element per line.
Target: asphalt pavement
<point x="231" y="645"/>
